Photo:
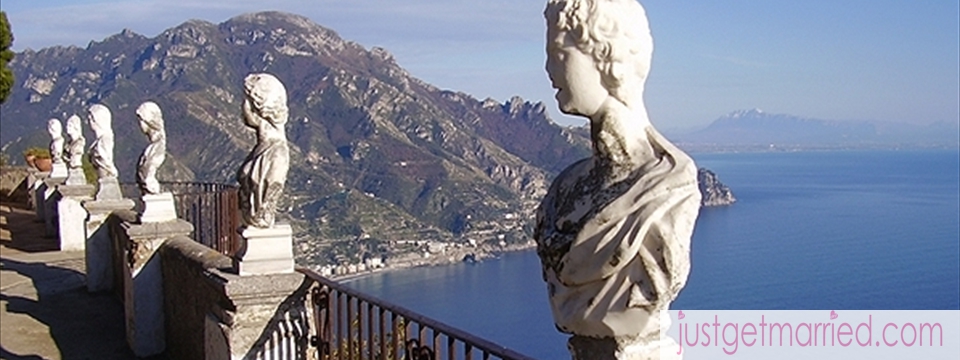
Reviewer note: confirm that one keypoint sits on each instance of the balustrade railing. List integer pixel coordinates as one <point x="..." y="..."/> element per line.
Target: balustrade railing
<point x="211" y="208"/>
<point x="354" y="326"/>
<point x="330" y="321"/>
<point x="213" y="211"/>
<point x="287" y="335"/>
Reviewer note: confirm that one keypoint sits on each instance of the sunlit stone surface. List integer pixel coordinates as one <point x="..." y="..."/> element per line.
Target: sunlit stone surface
<point x="613" y="232"/>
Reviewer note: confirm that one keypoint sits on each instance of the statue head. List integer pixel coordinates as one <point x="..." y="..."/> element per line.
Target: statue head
<point x="151" y="118"/>
<point x="55" y="128"/>
<point x="265" y="97"/>
<point x="99" y="119"/>
<point x="612" y="36"/>
<point x="73" y="128"/>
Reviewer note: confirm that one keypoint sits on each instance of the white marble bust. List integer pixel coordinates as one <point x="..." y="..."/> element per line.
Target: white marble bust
<point x="101" y="150"/>
<point x="75" y="143"/>
<point x="151" y="123"/>
<point x="73" y="152"/>
<point x="56" y="140"/>
<point x="613" y="232"/>
<point x="264" y="172"/>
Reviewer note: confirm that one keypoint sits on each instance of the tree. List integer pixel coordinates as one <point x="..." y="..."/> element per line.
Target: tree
<point x="6" y="40"/>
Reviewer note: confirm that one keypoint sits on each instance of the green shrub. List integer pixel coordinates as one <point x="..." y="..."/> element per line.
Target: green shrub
<point x="89" y="172"/>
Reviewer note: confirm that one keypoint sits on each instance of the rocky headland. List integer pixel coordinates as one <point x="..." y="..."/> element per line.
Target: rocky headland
<point x="714" y="193"/>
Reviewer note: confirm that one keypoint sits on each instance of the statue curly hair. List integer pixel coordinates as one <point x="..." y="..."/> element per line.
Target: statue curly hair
<point x="616" y="34"/>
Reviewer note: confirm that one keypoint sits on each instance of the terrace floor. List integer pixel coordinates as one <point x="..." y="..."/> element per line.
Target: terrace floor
<point x="45" y="309"/>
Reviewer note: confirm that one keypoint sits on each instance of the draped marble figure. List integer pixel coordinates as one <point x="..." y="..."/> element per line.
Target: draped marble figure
<point x="264" y="172"/>
<point x="73" y="151"/>
<point x="56" y="140"/>
<point x="101" y="150"/>
<point x="151" y="123"/>
<point x="613" y="232"/>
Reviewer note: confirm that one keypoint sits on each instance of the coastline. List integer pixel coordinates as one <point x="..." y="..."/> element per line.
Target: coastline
<point x="450" y="257"/>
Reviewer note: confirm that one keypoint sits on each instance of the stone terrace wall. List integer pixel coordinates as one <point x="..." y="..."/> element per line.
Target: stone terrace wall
<point x="213" y="314"/>
<point x="194" y="295"/>
<point x="13" y="186"/>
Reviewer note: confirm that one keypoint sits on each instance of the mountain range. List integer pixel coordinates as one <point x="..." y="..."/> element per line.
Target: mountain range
<point x="376" y="153"/>
<point x="745" y="129"/>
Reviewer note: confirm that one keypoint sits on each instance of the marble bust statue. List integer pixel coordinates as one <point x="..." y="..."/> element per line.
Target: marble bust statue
<point x="75" y="143"/>
<point x="613" y="232"/>
<point x="101" y="150"/>
<point x="55" y="128"/>
<point x="73" y="152"/>
<point x="151" y="123"/>
<point x="56" y="140"/>
<point x="264" y="172"/>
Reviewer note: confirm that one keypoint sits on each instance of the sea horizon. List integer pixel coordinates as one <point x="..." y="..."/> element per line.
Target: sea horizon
<point x="825" y="230"/>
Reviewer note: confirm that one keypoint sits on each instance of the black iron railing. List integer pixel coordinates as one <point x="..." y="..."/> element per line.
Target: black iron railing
<point x="213" y="211"/>
<point x="211" y="208"/>
<point x="354" y="326"/>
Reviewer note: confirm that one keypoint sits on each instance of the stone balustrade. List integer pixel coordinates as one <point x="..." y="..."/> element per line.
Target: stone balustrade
<point x="213" y="313"/>
<point x="186" y="300"/>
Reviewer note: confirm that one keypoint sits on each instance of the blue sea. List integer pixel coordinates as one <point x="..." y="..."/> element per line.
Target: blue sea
<point x="811" y="230"/>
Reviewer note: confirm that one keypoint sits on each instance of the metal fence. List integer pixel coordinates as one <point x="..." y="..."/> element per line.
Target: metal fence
<point x="213" y="211"/>
<point x="355" y="326"/>
<point x="211" y="208"/>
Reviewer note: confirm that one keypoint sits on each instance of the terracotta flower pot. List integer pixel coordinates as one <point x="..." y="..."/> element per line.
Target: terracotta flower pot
<point x="43" y="164"/>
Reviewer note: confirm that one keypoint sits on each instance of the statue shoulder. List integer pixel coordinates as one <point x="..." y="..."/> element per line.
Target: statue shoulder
<point x="571" y="175"/>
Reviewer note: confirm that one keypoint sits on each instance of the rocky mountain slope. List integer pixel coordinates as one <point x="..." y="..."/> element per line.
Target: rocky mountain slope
<point x="377" y="154"/>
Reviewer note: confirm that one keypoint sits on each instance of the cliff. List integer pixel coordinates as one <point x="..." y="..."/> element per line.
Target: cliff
<point x="713" y="191"/>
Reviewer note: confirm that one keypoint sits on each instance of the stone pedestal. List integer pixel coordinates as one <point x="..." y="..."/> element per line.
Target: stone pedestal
<point x="71" y="216"/>
<point x="143" y="282"/>
<point x="59" y="170"/>
<point x="46" y="204"/>
<point x="76" y="177"/>
<point x="266" y="250"/>
<point x="99" y="247"/>
<point x="158" y="208"/>
<point x="221" y="315"/>
<point x="108" y="189"/>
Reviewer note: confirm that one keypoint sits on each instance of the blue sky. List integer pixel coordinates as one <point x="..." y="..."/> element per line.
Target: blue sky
<point x="833" y="59"/>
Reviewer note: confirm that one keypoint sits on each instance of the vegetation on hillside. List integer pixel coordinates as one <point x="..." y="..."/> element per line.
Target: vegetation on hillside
<point x="6" y="55"/>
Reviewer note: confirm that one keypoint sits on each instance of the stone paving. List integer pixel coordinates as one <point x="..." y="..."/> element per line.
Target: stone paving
<point x="45" y="309"/>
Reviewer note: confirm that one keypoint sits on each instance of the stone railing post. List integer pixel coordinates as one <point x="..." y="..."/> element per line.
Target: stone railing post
<point x="215" y="314"/>
<point x="266" y="250"/>
<point x="99" y="247"/>
<point x="142" y="277"/>
<point x="71" y="215"/>
<point x="34" y="180"/>
<point x="46" y="198"/>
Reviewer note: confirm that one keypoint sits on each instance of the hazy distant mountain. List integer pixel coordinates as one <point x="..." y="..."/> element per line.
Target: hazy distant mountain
<point x="376" y="152"/>
<point x="749" y="128"/>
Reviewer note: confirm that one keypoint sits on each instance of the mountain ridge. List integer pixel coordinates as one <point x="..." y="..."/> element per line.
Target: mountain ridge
<point x="756" y="128"/>
<point x="377" y="154"/>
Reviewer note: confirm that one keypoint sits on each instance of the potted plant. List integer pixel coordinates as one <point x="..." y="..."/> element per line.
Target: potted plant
<point x="38" y="158"/>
